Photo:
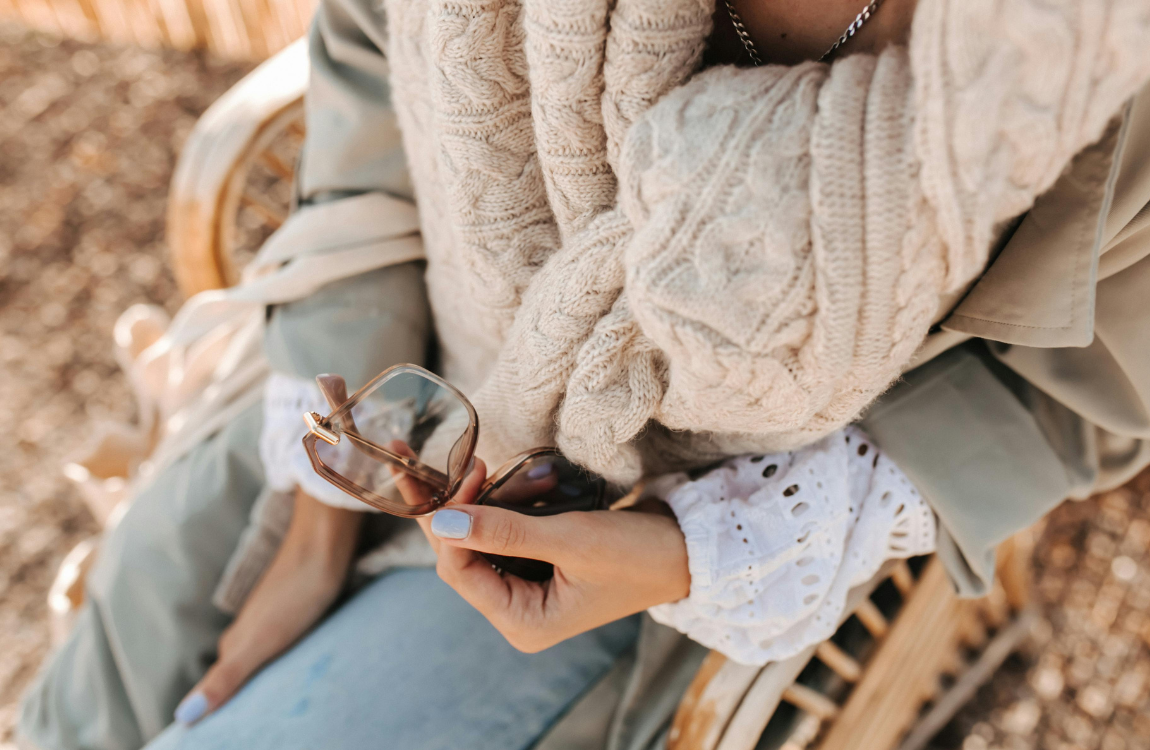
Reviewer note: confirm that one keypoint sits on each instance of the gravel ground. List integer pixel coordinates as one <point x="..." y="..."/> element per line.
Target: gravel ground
<point x="1082" y="680"/>
<point x="88" y="138"/>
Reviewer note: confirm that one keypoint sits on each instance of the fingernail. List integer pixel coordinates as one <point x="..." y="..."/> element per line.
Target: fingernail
<point x="540" y="471"/>
<point x="192" y="708"/>
<point x="451" y="524"/>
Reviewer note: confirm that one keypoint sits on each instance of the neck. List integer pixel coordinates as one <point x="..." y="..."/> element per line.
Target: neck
<point x="787" y="32"/>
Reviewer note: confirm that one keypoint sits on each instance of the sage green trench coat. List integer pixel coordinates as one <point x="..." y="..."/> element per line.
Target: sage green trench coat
<point x="1033" y="387"/>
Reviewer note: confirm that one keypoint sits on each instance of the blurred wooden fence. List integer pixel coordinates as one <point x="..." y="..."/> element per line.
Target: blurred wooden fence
<point x="243" y="29"/>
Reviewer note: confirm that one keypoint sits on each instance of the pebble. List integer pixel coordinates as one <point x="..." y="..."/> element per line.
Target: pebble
<point x="1083" y="680"/>
<point x="1022" y="717"/>
<point x="1124" y="568"/>
<point x="88" y="138"/>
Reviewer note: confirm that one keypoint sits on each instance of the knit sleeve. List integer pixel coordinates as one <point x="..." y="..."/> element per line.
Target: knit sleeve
<point x="776" y="542"/>
<point x="781" y="237"/>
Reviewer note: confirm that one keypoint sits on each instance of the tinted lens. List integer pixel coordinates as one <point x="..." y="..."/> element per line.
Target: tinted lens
<point x="408" y="414"/>
<point x="544" y="486"/>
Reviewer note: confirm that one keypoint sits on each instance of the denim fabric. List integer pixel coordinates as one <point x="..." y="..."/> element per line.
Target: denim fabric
<point x="407" y="664"/>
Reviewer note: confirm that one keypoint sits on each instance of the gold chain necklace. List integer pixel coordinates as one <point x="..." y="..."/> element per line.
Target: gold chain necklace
<point x="753" y="52"/>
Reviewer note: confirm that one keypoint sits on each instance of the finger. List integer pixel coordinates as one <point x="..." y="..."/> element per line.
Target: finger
<point x="505" y="532"/>
<point x="469" y="490"/>
<point x="472" y="576"/>
<point x="413" y="491"/>
<point x="514" y="606"/>
<point x="466" y="494"/>
<point x="333" y="388"/>
<point x="218" y="686"/>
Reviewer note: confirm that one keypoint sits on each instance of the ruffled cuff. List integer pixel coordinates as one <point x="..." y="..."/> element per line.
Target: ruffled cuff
<point x="286" y="464"/>
<point x="775" y="543"/>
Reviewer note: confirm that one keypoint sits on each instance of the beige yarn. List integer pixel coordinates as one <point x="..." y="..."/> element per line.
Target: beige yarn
<point x="651" y="265"/>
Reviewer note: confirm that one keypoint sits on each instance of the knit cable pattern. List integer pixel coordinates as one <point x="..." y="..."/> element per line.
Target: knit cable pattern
<point x="764" y="249"/>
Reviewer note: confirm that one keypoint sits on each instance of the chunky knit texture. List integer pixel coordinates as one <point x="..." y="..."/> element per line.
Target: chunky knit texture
<point x="648" y="265"/>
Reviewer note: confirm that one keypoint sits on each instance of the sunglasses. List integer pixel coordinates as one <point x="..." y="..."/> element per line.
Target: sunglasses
<point x="410" y="423"/>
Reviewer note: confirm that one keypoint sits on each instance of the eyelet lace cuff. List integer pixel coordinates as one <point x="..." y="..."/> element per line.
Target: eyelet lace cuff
<point x="775" y="543"/>
<point x="285" y="461"/>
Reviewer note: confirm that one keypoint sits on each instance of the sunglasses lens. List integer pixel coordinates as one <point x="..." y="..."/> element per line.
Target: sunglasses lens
<point x="544" y="486"/>
<point x="406" y="413"/>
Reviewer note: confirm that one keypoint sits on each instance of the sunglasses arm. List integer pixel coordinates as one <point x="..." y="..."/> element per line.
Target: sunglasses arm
<point x="320" y="427"/>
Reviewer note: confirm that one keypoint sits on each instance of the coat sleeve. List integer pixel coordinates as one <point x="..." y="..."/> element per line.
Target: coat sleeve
<point x="352" y="160"/>
<point x="353" y="143"/>
<point x="997" y="435"/>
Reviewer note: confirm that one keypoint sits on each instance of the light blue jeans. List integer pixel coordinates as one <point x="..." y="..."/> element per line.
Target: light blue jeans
<point x="406" y="664"/>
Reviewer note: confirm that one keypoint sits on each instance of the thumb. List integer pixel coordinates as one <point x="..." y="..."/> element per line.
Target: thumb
<point x="501" y="532"/>
<point x="220" y="683"/>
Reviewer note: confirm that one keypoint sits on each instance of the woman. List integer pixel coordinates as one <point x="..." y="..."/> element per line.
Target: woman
<point x="561" y="225"/>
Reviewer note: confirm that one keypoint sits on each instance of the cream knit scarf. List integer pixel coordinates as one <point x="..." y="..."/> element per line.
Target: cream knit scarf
<point x="650" y="265"/>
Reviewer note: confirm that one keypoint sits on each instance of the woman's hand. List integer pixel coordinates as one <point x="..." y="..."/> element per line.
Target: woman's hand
<point x="304" y="579"/>
<point x="608" y="564"/>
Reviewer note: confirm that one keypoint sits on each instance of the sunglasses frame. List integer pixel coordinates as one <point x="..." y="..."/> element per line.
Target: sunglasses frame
<point x="443" y="486"/>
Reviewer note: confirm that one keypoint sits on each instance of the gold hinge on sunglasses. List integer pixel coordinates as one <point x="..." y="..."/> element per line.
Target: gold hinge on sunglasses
<point x="315" y="427"/>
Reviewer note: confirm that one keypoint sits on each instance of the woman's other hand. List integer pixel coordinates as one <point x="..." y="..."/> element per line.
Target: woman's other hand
<point x="608" y="565"/>
<point x="304" y="579"/>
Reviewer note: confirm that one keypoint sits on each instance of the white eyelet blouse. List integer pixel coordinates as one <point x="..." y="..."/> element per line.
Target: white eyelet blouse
<point x="776" y="542"/>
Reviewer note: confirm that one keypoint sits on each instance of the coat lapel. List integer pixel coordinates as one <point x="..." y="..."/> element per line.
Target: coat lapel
<point x="1040" y="289"/>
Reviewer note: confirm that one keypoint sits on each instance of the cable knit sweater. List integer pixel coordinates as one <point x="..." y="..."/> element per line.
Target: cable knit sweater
<point x="650" y="265"/>
<point x="656" y="267"/>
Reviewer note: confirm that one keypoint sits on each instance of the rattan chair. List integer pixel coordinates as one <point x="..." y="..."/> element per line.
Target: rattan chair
<point x="900" y="665"/>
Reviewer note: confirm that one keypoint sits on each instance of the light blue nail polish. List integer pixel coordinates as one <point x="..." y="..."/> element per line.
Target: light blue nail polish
<point x="540" y="471"/>
<point x="192" y="708"/>
<point x="451" y="524"/>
